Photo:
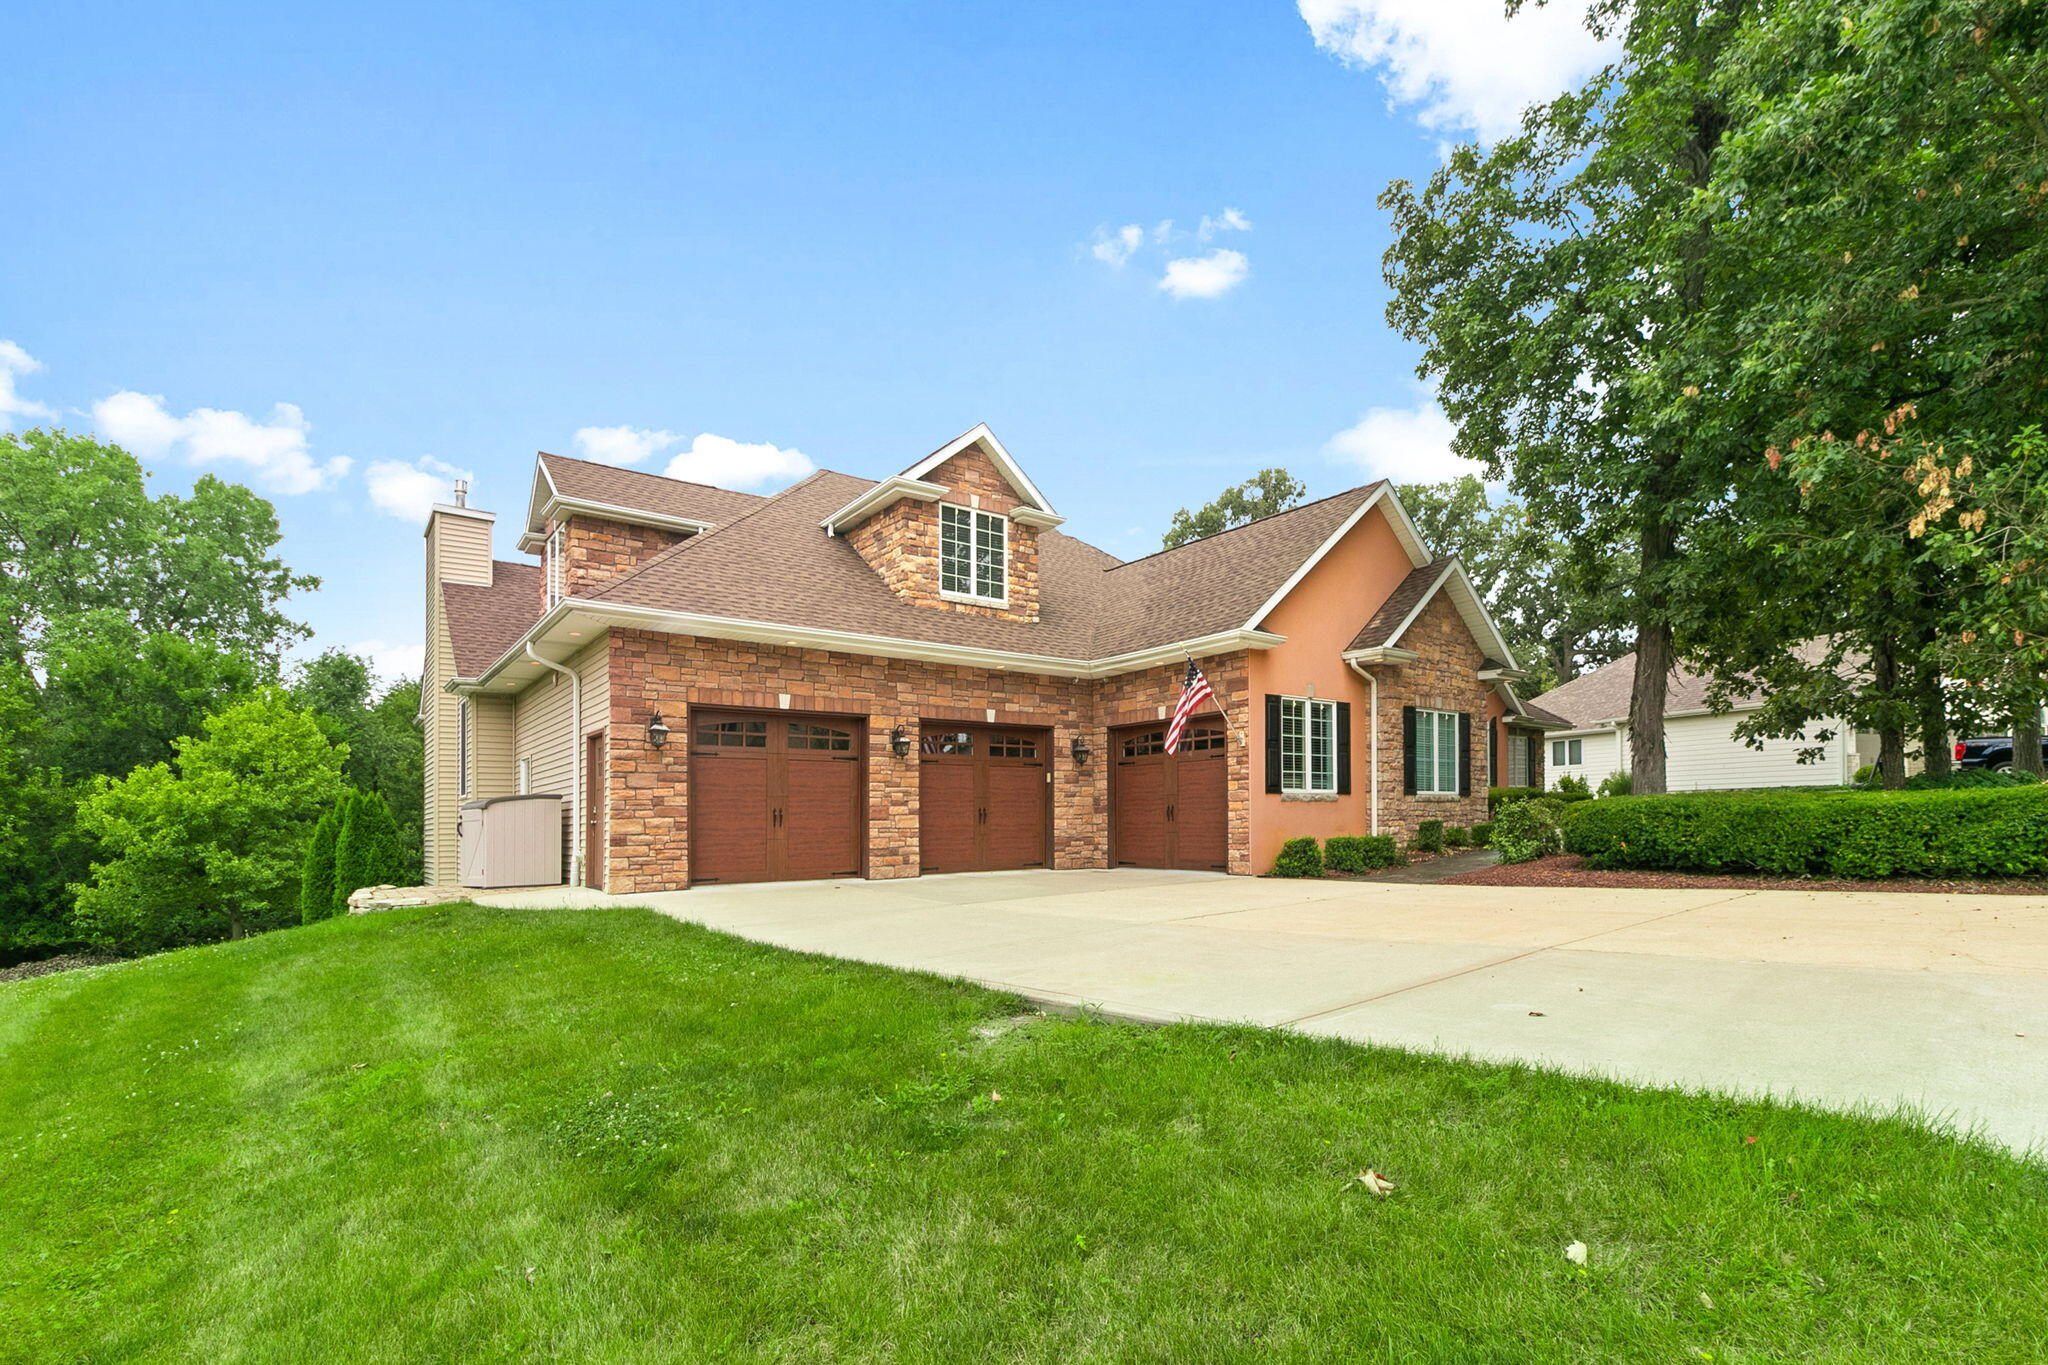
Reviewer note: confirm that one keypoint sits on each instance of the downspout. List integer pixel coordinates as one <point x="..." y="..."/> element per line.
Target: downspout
<point x="1373" y="762"/>
<point x="577" y="818"/>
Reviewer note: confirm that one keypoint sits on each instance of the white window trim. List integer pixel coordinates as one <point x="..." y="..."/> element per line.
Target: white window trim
<point x="525" y="776"/>
<point x="462" y="747"/>
<point x="974" y="533"/>
<point x="1310" y="708"/>
<point x="1567" y="761"/>
<point x="554" y="566"/>
<point x="1430" y="717"/>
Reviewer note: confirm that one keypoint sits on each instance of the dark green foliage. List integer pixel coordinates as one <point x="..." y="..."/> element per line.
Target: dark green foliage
<point x="1457" y="836"/>
<point x="316" y="880"/>
<point x="1362" y="852"/>
<point x="1266" y="492"/>
<point x="1571" y="785"/>
<point x="1482" y="834"/>
<point x="1429" y="836"/>
<point x="1528" y="829"/>
<point x="1299" y="858"/>
<point x="368" y="850"/>
<point x="1616" y="784"/>
<point x="1496" y="797"/>
<point x="1965" y="779"/>
<point x="2000" y="832"/>
<point x="382" y="734"/>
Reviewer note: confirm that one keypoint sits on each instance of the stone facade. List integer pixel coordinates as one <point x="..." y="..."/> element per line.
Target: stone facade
<point x="648" y="788"/>
<point x="1445" y="678"/>
<point x="901" y="541"/>
<point x="595" y="550"/>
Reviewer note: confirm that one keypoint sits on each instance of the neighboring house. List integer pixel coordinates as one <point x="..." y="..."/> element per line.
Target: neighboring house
<point x="853" y="678"/>
<point x="1701" y="751"/>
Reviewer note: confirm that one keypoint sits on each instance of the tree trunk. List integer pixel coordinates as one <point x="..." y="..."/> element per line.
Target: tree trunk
<point x="2026" y="740"/>
<point x="1936" y="752"/>
<point x="1646" y="709"/>
<point x="1891" y="731"/>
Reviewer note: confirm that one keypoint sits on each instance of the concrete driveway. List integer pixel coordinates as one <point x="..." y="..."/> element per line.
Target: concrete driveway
<point x="1937" y="1003"/>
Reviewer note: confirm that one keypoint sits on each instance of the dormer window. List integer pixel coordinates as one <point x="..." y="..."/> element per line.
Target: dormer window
<point x="554" y="565"/>
<point x="973" y="554"/>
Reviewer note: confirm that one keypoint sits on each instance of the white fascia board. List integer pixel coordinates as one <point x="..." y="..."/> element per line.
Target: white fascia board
<point x="632" y="516"/>
<point x="1012" y="471"/>
<point x="1032" y="516"/>
<point x="889" y="490"/>
<point x="1295" y="578"/>
<point x="1380" y="654"/>
<point x="603" y="614"/>
<point x="1502" y="675"/>
<point x="1404" y="528"/>
<point x="1477" y="620"/>
<point x="537" y="502"/>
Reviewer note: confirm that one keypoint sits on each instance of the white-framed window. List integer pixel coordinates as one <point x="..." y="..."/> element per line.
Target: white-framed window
<point x="525" y="776"/>
<point x="462" y="747"/>
<point x="1518" y="759"/>
<point x="555" y="575"/>
<point x="974" y="554"/>
<point x="1567" y="753"/>
<point x="1436" y="752"/>
<point x="1308" y="745"/>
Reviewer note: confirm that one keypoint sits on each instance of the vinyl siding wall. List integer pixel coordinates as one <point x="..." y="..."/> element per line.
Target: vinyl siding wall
<point x="458" y="550"/>
<point x="1701" y="753"/>
<point x="541" y="734"/>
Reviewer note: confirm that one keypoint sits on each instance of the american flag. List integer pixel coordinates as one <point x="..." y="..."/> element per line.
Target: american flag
<point x="1194" y="693"/>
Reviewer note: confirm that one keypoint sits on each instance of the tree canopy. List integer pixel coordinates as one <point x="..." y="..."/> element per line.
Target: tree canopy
<point x="1263" y="494"/>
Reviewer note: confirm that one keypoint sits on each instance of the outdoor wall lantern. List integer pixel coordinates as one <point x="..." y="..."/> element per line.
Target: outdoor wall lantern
<point x="1079" y="749"/>
<point x="899" y="742"/>
<point x="657" y="733"/>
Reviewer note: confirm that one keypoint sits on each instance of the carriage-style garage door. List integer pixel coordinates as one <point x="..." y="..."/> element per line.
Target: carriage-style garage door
<point x="775" y="796"/>
<point x="1169" y="810"/>
<point x="982" y="798"/>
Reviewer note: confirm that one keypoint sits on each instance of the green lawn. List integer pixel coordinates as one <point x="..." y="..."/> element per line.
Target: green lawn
<point x="465" y="1135"/>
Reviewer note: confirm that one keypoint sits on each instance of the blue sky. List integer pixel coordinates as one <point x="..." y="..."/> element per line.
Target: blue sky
<point x="752" y="237"/>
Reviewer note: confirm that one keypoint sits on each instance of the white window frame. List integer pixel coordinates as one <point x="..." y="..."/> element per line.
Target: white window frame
<point x="525" y="776"/>
<point x="983" y="527"/>
<point x="1518" y="759"/>
<point x="1567" y="753"/>
<point x="1431" y="730"/>
<point x="1308" y="746"/>
<point x="462" y="747"/>
<point x="554" y="565"/>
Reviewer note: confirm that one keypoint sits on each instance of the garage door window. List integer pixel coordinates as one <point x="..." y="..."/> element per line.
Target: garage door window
<point x="1567" y="753"/>
<point x="819" y="737"/>
<point x="1140" y="746"/>
<point x="734" y="734"/>
<point x="1436" y="752"/>
<point x="1012" y="746"/>
<point x="949" y="742"/>
<point x="1308" y="745"/>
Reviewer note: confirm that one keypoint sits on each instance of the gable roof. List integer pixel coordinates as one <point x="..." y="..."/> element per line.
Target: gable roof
<point x="584" y="485"/>
<point x="1012" y="472"/>
<point x="485" y="622"/>
<point x="1392" y="618"/>
<point x="1603" y="695"/>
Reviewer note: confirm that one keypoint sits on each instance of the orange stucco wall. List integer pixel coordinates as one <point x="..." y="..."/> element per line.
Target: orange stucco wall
<point x="1319" y="618"/>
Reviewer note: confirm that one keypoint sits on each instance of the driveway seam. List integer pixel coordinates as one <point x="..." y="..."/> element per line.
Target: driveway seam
<point x="1511" y="957"/>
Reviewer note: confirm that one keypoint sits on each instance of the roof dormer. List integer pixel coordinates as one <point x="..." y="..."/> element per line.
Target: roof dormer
<point x="958" y="530"/>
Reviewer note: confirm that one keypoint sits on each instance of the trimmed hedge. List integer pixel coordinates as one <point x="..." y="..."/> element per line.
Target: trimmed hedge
<point x="1482" y="834"/>
<point x="1992" y="832"/>
<point x="1429" y="836"/>
<point x="1299" y="858"/>
<point x="1362" y="852"/>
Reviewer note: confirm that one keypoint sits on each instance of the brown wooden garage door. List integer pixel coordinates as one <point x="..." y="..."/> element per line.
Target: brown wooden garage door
<point x="982" y="798"/>
<point x="775" y="797"/>
<point x="1169" y="810"/>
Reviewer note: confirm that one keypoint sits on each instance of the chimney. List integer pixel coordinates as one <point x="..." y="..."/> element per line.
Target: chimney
<point x="459" y="541"/>
<point x="462" y="492"/>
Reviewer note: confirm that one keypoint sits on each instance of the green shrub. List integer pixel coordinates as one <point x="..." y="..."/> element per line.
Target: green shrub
<point x="1362" y="852"/>
<point x="1429" y="836"/>
<point x="1299" y="858"/>
<point x="316" y="878"/>
<point x="1866" y="776"/>
<point x="368" y="851"/>
<point x="1992" y="832"/>
<point x="1967" y="779"/>
<point x="1617" y="784"/>
<point x="1571" y="784"/>
<point x="1457" y="836"/>
<point x="1482" y="834"/>
<point x="1496" y="797"/>
<point x="1528" y="829"/>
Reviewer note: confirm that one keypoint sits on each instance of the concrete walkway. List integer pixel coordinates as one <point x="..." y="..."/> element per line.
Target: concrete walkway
<point x="1937" y="1003"/>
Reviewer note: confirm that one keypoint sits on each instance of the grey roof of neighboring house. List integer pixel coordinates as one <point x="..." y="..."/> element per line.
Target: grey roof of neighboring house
<point x="586" y="481"/>
<point x="485" y="622"/>
<point x="1604" y="694"/>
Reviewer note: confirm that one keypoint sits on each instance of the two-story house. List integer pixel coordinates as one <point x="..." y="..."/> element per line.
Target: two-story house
<point x="855" y="678"/>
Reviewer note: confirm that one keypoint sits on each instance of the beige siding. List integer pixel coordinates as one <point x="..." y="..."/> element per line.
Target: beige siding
<point x="1701" y="753"/>
<point x="458" y="550"/>
<point x="543" y="736"/>
<point x="490" y="747"/>
<point x="1599" y="755"/>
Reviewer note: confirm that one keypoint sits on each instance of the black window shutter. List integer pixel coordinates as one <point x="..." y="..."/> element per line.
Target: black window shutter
<point x="1343" y="747"/>
<point x="1408" y="750"/>
<point x="1464" y="754"/>
<point x="1272" y="742"/>
<point x="1492" y="754"/>
<point x="1536" y="761"/>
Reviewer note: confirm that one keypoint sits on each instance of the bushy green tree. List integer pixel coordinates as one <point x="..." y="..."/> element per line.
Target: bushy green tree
<point x="1263" y="494"/>
<point x="211" y="845"/>
<point x="316" y="876"/>
<point x="368" y="851"/>
<point x="115" y="698"/>
<point x="385" y="753"/>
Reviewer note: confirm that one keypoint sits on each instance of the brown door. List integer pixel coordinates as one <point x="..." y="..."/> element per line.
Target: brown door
<point x="774" y="797"/>
<point x="982" y="796"/>
<point x="593" y="811"/>
<point x="1170" y="810"/>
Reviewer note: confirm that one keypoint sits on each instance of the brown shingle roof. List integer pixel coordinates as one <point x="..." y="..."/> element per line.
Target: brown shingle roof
<point x="777" y="565"/>
<point x="485" y="622"/>
<point x="1405" y="597"/>
<point x="588" y="482"/>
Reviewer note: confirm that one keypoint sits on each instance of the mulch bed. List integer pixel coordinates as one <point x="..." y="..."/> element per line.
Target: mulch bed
<point x="22" y="971"/>
<point x="1569" y="869"/>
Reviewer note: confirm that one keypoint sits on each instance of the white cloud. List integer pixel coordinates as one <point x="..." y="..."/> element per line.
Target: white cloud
<point x="409" y="491"/>
<point x="727" y="463"/>
<point x="273" y="453"/>
<point x="622" y="445"/>
<point x="1115" y="248"/>
<point x="389" y="661"/>
<point x="1205" y="277"/>
<point x="1407" y="445"/>
<point x="1230" y="220"/>
<point x="14" y="363"/>
<point x="1462" y="65"/>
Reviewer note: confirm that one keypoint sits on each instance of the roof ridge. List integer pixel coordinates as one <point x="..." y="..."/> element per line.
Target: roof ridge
<point x="767" y="500"/>
<point x="1255" y="521"/>
<point x="649" y="474"/>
